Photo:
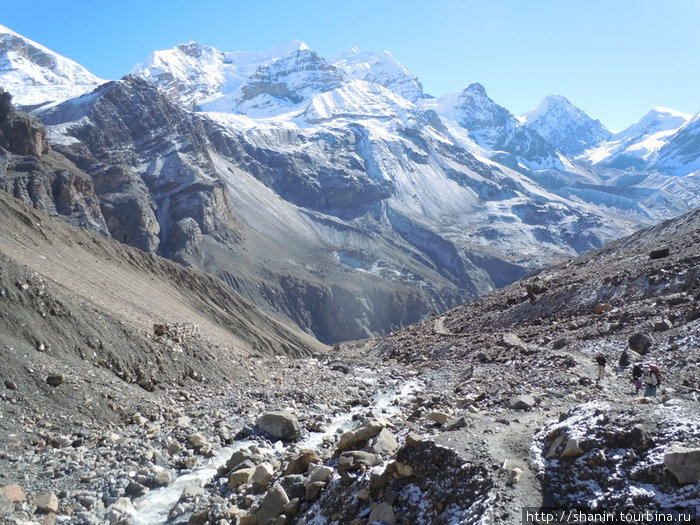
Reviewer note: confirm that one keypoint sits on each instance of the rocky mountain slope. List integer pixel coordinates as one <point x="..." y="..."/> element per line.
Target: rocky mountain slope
<point x="401" y="199"/>
<point x="463" y="418"/>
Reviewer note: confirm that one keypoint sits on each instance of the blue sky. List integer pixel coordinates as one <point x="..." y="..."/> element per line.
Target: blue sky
<point x="615" y="58"/>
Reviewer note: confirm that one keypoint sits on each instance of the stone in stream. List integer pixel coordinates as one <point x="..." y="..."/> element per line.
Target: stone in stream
<point x="300" y="463"/>
<point x="240" y="477"/>
<point x="355" y="439"/>
<point x="197" y="440"/>
<point x="279" y="426"/>
<point x="119" y="510"/>
<point x="357" y="459"/>
<point x="384" y="444"/>
<point x="163" y="478"/>
<point x="272" y="504"/>
<point x="262" y="475"/>
<point x="242" y="459"/>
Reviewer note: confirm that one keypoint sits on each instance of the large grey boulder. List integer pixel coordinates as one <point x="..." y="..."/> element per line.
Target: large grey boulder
<point x="272" y="504"/>
<point x="641" y="342"/>
<point x="384" y="444"/>
<point x="683" y="463"/>
<point x="279" y="426"/>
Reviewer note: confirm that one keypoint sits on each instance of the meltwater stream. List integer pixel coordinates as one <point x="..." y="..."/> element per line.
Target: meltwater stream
<point x="154" y="507"/>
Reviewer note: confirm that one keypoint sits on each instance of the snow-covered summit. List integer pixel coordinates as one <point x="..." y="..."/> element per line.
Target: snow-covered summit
<point x="658" y="119"/>
<point x="495" y="128"/>
<point x="565" y="126"/>
<point x="35" y="75"/>
<point x="379" y="68"/>
<point x="194" y="74"/>
<point x="636" y="146"/>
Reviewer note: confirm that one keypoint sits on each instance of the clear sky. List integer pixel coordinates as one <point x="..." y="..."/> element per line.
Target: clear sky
<point x="615" y="59"/>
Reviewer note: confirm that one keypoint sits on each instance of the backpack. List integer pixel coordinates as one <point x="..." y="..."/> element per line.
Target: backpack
<point x="655" y="375"/>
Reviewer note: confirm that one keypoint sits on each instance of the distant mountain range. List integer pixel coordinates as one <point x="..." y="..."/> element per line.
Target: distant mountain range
<point x="336" y="192"/>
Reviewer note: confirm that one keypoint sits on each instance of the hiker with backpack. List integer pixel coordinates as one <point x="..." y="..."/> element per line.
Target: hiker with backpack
<point x="637" y="378"/>
<point x="600" y="359"/>
<point x="651" y="377"/>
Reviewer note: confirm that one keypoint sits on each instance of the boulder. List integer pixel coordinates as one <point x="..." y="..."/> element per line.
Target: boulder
<point x="572" y="449"/>
<point x="240" y="477"/>
<point x="55" y="380"/>
<point x="354" y="439"/>
<point x="279" y="426"/>
<point x="455" y="423"/>
<point x="659" y="253"/>
<point x="413" y="440"/>
<point x="560" y="343"/>
<point x="663" y="325"/>
<point x="272" y="504"/>
<point x="197" y="440"/>
<point x="313" y="490"/>
<point x="163" y="478"/>
<point x="439" y="417"/>
<point x="525" y="402"/>
<point x="356" y="459"/>
<point x="300" y="463"/>
<point x="293" y="485"/>
<point x="262" y="475"/>
<point x="14" y="493"/>
<point x="640" y="342"/>
<point x="384" y="443"/>
<point x="683" y="463"/>
<point x="242" y="459"/>
<point x="382" y="513"/>
<point x="46" y="503"/>
<point x="319" y="473"/>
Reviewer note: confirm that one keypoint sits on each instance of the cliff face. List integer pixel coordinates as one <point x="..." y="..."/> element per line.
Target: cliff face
<point x="32" y="172"/>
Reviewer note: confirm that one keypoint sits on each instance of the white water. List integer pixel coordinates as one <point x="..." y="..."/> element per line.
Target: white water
<point x="154" y="507"/>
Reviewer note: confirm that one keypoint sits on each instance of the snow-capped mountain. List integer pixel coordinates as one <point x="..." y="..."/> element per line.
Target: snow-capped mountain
<point x="565" y="126"/>
<point x="635" y="146"/>
<point x="280" y="86"/>
<point x="380" y="68"/>
<point x="194" y="74"/>
<point x="327" y="190"/>
<point x="681" y="153"/>
<point x="495" y="129"/>
<point x="36" y="75"/>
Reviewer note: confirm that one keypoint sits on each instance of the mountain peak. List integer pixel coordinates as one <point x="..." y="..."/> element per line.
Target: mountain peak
<point x="564" y="125"/>
<point x="477" y="88"/>
<point x="35" y="75"/>
<point x="379" y="68"/>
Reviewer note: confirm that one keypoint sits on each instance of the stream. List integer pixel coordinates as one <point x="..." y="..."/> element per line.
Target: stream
<point x="154" y="507"/>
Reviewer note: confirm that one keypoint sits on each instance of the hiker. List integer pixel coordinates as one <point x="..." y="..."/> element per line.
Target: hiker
<point x="651" y="377"/>
<point x="637" y="378"/>
<point x="600" y="359"/>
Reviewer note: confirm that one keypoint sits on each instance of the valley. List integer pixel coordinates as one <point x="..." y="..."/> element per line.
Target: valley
<point x="270" y="287"/>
